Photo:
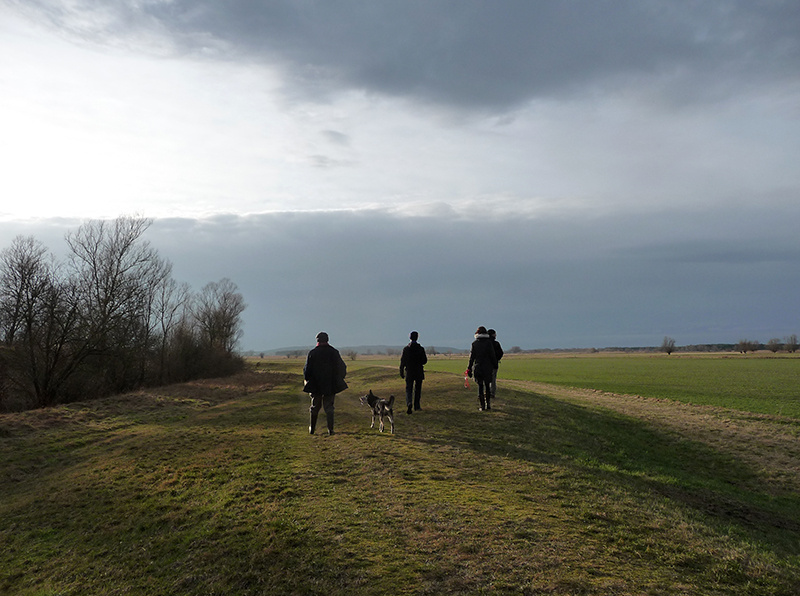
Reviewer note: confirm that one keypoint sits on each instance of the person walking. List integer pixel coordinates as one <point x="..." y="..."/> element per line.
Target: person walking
<point x="482" y="361"/>
<point x="412" y="362"/>
<point x="498" y="352"/>
<point x="324" y="374"/>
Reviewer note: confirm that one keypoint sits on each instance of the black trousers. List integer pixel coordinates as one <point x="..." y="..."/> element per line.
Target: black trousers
<point x="413" y="391"/>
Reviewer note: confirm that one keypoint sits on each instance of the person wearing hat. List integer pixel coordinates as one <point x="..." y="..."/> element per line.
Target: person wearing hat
<point x="412" y="362"/>
<point x="482" y="362"/>
<point x="324" y="374"/>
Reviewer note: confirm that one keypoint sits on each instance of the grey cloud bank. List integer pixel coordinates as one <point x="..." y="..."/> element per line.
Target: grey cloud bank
<point x="476" y="54"/>
<point x="371" y="277"/>
<point x="542" y="283"/>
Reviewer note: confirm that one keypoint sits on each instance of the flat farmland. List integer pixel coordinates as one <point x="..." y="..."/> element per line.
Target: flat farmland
<point x="753" y="383"/>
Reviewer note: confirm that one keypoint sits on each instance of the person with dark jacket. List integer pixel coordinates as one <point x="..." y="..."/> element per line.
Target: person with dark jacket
<point x="498" y="351"/>
<point x="482" y="361"/>
<point x="324" y="374"/>
<point x="411" y="368"/>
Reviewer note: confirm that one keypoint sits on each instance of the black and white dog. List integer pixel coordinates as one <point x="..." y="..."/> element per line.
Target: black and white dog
<point x="380" y="407"/>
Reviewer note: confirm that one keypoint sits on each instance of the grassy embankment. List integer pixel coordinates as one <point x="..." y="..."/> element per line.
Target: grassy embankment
<point x="218" y="489"/>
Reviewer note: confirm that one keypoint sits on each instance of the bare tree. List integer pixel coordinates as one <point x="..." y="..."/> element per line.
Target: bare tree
<point x="668" y="345"/>
<point x="774" y="345"/>
<point x="117" y="274"/>
<point x="746" y="345"/>
<point x="790" y="343"/>
<point x="217" y="312"/>
<point x="39" y="320"/>
<point x="171" y="306"/>
<point x="24" y="272"/>
<point x="113" y="267"/>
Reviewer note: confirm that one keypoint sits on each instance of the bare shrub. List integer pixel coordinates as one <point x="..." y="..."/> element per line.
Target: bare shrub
<point x="790" y="343"/>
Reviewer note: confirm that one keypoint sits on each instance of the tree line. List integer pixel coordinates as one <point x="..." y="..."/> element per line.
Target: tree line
<point x="789" y="344"/>
<point x="108" y="318"/>
<point x="774" y="345"/>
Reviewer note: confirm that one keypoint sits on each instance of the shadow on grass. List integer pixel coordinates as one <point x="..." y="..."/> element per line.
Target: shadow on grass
<point x="612" y="448"/>
<point x="232" y="496"/>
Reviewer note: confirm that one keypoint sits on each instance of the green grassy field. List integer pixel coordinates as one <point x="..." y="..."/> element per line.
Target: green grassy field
<point x="752" y="383"/>
<point x="217" y="488"/>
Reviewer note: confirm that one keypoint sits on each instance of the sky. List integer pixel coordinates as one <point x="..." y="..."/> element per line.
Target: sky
<point x="573" y="174"/>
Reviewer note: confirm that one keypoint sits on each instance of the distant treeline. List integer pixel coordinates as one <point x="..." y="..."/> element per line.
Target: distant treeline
<point x="110" y="318"/>
<point x="636" y="349"/>
<point x="788" y="344"/>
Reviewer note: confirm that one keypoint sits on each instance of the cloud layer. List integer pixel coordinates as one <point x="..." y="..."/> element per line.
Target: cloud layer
<point x="475" y="54"/>
<point x="372" y="277"/>
<point x="572" y="174"/>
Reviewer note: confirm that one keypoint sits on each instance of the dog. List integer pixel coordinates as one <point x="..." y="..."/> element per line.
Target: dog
<point x="380" y="407"/>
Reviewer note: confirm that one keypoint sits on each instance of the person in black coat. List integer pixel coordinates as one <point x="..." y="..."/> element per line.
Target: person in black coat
<point x="324" y="374"/>
<point x="412" y="362"/>
<point x="498" y="351"/>
<point x="482" y="362"/>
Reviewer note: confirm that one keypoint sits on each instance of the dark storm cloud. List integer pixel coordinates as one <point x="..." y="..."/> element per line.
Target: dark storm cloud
<point x="473" y="54"/>
<point x="370" y="277"/>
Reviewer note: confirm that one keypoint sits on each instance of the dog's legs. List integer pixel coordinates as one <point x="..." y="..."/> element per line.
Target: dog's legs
<point x="381" y="427"/>
<point x="391" y="421"/>
<point x="373" y="421"/>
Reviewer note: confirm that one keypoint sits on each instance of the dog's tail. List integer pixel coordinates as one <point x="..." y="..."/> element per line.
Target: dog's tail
<point x="391" y="401"/>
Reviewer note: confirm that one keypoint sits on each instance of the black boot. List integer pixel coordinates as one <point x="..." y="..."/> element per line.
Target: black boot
<point x="329" y="416"/>
<point x="313" y="424"/>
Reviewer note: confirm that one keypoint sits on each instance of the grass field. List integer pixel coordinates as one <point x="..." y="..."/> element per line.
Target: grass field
<point x="217" y="488"/>
<point x="752" y="383"/>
